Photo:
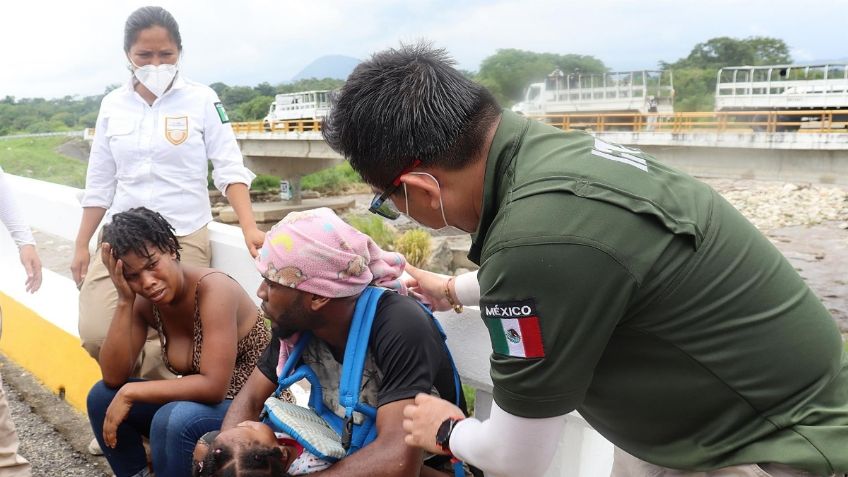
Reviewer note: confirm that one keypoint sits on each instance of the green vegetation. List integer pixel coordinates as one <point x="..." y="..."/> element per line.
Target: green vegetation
<point x="37" y="158"/>
<point x="37" y="115"/>
<point x="265" y="183"/>
<point x="245" y="103"/>
<point x="695" y="75"/>
<point x="375" y="228"/>
<point x="415" y="245"/>
<point x="334" y="180"/>
<point x="470" y="398"/>
<point x="508" y="72"/>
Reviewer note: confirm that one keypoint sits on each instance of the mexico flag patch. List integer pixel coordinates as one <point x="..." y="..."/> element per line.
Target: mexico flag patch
<point x="514" y="328"/>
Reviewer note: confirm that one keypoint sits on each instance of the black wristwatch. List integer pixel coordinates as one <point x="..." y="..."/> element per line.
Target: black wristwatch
<point x="444" y="433"/>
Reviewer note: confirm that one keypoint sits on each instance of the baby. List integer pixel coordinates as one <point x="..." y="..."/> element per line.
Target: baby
<point x="253" y="449"/>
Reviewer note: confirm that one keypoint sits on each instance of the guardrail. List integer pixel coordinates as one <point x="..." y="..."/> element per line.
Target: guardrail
<point x="300" y="125"/>
<point x="41" y="329"/>
<point x="47" y="134"/>
<point x="735" y="122"/>
<point x="713" y="122"/>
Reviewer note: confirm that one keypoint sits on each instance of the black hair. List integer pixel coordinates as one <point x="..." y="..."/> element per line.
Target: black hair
<point x="250" y="461"/>
<point x="133" y="230"/>
<point x="404" y="104"/>
<point x="146" y="17"/>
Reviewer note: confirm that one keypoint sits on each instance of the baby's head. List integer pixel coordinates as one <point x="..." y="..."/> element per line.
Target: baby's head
<point x="250" y="449"/>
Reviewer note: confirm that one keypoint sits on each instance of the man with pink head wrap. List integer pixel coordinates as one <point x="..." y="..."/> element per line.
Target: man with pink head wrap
<point x="318" y="252"/>
<point x="315" y="266"/>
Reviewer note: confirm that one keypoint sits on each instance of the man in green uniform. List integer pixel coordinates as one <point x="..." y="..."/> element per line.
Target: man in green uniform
<point x="610" y="283"/>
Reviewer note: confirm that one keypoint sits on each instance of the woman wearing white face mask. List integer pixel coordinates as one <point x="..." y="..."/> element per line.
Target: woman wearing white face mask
<point x="154" y="136"/>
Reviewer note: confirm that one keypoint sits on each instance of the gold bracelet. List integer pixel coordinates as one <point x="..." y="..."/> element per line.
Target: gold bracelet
<point x="457" y="308"/>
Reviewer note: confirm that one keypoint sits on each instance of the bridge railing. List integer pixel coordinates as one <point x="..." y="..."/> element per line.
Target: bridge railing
<point x="299" y="125"/>
<point x="42" y="328"/>
<point x="736" y="122"/>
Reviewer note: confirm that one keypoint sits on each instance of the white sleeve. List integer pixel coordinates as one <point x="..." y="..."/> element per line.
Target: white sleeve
<point x="467" y="289"/>
<point x="222" y="148"/>
<point x="101" y="177"/>
<point x="505" y="445"/>
<point x="11" y="217"/>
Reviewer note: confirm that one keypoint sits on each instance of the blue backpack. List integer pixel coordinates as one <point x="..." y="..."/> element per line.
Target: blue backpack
<point x="353" y="436"/>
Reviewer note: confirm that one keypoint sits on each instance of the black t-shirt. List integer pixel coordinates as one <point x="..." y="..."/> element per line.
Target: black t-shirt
<point x="407" y="348"/>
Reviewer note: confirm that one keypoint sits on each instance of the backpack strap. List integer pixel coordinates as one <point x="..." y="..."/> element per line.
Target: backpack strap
<point x="353" y="365"/>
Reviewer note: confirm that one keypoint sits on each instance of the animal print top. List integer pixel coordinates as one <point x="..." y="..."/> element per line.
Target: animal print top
<point x="249" y="348"/>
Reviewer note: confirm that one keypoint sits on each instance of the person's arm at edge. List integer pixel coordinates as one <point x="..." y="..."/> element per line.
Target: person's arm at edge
<point x="91" y="217"/>
<point x="248" y="403"/>
<point x="21" y="234"/>
<point x="229" y="174"/>
<point x="238" y="195"/>
<point x="100" y="184"/>
<point x="387" y="455"/>
<point x="483" y="442"/>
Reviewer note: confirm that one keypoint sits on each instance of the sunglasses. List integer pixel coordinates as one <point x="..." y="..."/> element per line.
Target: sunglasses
<point x="381" y="205"/>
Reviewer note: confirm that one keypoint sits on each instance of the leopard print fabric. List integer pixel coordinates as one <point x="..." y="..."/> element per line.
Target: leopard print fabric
<point x="249" y="348"/>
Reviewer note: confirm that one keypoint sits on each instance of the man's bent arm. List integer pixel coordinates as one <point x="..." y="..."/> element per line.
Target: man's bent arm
<point x="387" y="455"/>
<point x="482" y="444"/>
<point x="248" y="403"/>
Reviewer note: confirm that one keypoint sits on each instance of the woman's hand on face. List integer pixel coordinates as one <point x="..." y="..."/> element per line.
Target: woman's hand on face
<point x="116" y="413"/>
<point x="254" y="238"/>
<point x="428" y="287"/>
<point x="116" y="273"/>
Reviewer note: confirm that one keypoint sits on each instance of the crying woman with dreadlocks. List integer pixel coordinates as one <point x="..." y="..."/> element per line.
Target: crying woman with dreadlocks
<point x="211" y="334"/>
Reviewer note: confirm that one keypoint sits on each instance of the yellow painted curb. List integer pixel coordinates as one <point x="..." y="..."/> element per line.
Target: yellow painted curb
<point x="51" y="354"/>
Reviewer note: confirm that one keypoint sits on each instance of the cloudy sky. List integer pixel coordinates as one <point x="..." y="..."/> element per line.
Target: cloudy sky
<point x="55" y="48"/>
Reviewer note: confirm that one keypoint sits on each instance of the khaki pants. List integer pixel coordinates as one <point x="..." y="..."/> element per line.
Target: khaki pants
<point x="626" y="465"/>
<point x="11" y="463"/>
<point x="98" y="298"/>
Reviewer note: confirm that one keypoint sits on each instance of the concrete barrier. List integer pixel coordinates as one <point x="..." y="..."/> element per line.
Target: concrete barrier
<point x="40" y="330"/>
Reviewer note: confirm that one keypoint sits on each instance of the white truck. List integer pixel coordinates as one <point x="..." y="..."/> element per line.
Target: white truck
<point x="304" y="105"/>
<point x="626" y="92"/>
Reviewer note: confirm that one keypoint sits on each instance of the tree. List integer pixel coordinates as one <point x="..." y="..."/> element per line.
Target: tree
<point x="253" y="110"/>
<point x="265" y="89"/>
<point x="695" y="75"/>
<point x="219" y="88"/>
<point x="725" y="51"/>
<point x="234" y="97"/>
<point x="508" y="72"/>
<point x="310" y="84"/>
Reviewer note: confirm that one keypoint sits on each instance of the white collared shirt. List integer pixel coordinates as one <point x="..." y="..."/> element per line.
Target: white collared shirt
<point x="156" y="155"/>
<point x="10" y="216"/>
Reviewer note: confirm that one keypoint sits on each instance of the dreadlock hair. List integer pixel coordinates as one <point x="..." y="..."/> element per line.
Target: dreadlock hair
<point x="133" y="230"/>
<point x="405" y="104"/>
<point x="249" y="461"/>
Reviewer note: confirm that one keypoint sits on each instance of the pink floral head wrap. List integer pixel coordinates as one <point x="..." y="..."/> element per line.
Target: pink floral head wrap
<point x="317" y="252"/>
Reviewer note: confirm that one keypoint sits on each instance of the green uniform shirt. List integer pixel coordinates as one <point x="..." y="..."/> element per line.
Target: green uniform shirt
<point x="620" y="287"/>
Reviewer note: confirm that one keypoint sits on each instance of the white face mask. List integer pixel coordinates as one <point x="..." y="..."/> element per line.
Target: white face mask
<point x="156" y="78"/>
<point x="447" y="229"/>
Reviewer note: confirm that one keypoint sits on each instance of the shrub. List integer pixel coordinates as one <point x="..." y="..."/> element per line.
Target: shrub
<point x="331" y="181"/>
<point x="415" y="246"/>
<point x="265" y="183"/>
<point x="375" y="228"/>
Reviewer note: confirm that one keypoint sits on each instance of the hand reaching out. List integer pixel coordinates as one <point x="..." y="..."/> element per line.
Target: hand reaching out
<point x="32" y="264"/>
<point x="428" y="287"/>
